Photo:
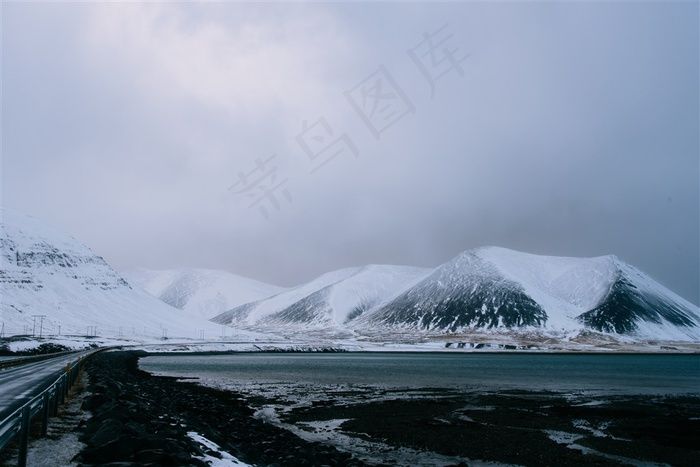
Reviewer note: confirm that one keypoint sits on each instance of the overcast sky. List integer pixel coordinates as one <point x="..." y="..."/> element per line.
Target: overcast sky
<point x="564" y="129"/>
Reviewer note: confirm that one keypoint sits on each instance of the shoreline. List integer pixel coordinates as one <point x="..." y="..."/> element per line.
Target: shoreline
<point x="352" y="427"/>
<point x="422" y="352"/>
<point x="137" y="417"/>
<point x="462" y="344"/>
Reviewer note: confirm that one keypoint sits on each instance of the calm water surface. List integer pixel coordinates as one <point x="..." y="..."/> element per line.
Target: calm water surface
<point x="623" y="374"/>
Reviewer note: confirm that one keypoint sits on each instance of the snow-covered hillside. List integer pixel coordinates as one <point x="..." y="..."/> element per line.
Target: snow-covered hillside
<point x="46" y="272"/>
<point x="202" y="292"/>
<point x="487" y="290"/>
<point x="328" y="302"/>
<point x="497" y="288"/>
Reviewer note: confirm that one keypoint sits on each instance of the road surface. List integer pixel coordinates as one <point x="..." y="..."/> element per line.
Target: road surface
<point x="19" y="384"/>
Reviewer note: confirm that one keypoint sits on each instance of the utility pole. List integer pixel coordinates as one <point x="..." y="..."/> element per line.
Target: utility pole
<point x="41" y="324"/>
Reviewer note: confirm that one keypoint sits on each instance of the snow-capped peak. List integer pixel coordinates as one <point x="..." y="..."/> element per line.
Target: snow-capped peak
<point x="563" y="286"/>
<point x="495" y="287"/>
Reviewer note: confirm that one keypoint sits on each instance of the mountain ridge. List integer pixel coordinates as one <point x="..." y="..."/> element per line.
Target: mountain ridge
<point x="44" y="271"/>
<point x="326" y="300"/>
<point x="486" y="289"/>
<point x="496" y="288"/>
<point x="202" y="292"/>
<point x="482" y="290"/>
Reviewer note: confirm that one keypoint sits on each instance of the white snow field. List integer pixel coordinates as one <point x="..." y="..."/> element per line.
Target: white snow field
<point x="201" y="292"/>
<point x="46" y="272"/>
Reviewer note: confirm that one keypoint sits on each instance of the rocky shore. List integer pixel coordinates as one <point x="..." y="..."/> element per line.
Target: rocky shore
<point x="142" y="419"/>
<point x="137" y="418"/>
<point x="521" y="427"/>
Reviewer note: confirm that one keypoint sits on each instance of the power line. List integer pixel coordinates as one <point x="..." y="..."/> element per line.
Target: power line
<point x="41" y="324"/>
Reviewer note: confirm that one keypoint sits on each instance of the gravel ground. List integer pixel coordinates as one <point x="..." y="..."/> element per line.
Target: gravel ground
<point x="139" y="418"/>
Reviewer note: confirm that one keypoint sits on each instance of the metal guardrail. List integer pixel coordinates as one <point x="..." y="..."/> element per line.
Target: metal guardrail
<point x="46" y="404"/>
<point x="22" y="359"/>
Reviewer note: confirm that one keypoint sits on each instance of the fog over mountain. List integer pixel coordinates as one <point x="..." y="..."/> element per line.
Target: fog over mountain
<point x="567" y="129"/>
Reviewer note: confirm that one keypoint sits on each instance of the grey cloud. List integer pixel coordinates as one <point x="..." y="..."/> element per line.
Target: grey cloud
<point x="573" y="132"/>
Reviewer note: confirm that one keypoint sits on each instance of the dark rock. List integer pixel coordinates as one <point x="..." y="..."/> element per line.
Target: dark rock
<point x="161" y="457"/>
<point x="94" y="401"/>
<point x="138" y="418"/>
<point x="108" y="431"/>
<point x="122" y="449"/>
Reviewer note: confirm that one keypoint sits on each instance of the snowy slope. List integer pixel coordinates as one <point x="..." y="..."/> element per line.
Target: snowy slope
<point x="564" y="287"/>
<point x="202" y="292"/>
<point x="252" y="313"/>
<point x="638" y="305"/>
<point x="497" y="288"/>
<point x="330" y="301"/>
<point x="46" y="272"/>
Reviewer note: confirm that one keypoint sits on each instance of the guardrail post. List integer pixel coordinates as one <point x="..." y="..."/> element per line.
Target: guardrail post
<point x="24" y="437"/>
<point x="54" y="407"/>
<point x="45" y="412"/>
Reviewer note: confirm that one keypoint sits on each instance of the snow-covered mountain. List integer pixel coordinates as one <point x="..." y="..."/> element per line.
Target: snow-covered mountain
<point x="202" y="292"/>
<point x="46" y="272"/>
<point x="485" y="290"/>
<point x="330" y="301"/>
<point x="496" y="288"/>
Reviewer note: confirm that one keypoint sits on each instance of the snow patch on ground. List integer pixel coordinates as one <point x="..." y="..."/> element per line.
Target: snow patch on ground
<point x="267" y="414"/>
<point x="563" y="437"/>
<point x="328" y="431"/>
<point x="570" y="441"/>
<point x="216" y="457"/>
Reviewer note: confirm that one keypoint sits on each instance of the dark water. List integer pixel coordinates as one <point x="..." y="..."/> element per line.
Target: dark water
<point x="619" y="374"/>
